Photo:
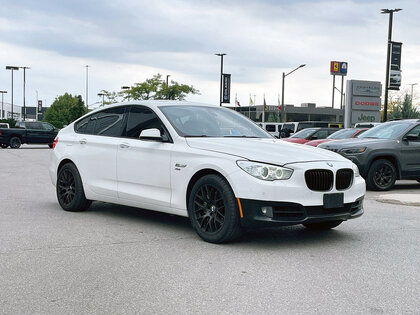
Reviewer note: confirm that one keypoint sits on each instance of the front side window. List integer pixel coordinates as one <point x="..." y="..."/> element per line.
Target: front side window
<point x="141" y="118"/>
<point x="47" y="126"/>
<point x="415" y="132"/>
<point x="304" y="134"/>
<point x="109" y="122"/>
<point x="207" y="121"/>
<point x="34" y="125"/>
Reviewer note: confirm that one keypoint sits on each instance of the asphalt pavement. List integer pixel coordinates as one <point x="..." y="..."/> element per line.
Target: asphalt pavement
<point x="122" y="260"/>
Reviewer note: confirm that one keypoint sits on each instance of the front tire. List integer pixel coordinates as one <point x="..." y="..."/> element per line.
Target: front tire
<point x="15" y="142"/>
<point x="213" y="210"/>
<point x="382" y="175"/>
<point x="69" y="188"/>
<point x="322" y="226"/>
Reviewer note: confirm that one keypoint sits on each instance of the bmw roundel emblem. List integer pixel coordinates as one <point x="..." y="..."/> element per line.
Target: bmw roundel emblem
<point x="330" y="164"/>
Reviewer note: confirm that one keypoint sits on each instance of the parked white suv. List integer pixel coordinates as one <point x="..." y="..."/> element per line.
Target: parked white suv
<point x="206" y="162"/>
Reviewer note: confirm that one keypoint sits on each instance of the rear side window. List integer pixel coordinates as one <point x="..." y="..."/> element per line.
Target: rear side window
<point x="110" y="122"/>
<point x="34" y="125"/>
<point x="86" y="125"/>
<point x="270" y="128"/>
<point x="141" y="118"/>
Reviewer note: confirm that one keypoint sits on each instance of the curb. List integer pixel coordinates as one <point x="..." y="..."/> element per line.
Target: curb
<point x="400" y="199"/>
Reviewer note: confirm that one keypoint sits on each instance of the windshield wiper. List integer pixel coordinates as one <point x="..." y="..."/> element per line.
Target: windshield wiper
<point x="240" y="136"/>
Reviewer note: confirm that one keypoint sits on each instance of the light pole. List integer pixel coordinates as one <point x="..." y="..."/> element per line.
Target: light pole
<point x="12" y="68"/>
<point x="24" y="92"/>
<point x="282" y="91"/>
<point x="87" y="86"/>
<point x="412" y="84"/>
<point x="167" y="79"/>
<point x="103" y="97"/>
<point x="2" y="102"/>
<point x="221" y="76"/>
<point x="126" y="87"/>
<point x="343" y="96"/>
<point x="388" y="57"/>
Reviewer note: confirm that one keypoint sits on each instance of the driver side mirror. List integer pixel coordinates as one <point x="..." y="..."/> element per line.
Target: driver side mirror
<point x="152" y="134"/>
<point x="411" y="137"/>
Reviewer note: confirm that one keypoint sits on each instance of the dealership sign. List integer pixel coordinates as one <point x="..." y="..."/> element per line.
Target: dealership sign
<point x="338" y="68"/>
<point x="226" y="88"/>
<point x="364" y="98"/>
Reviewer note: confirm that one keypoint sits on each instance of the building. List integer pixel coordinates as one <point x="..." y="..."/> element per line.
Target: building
<point x="306" y="112"/>
<point x="31" y="112"/>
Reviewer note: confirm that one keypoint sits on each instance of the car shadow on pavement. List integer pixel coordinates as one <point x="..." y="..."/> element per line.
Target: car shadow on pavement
<point x="262" y="237"/>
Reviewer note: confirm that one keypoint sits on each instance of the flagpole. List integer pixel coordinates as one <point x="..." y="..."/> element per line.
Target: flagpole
<point x="263" y="118"/>
<point x="249" y="107"/>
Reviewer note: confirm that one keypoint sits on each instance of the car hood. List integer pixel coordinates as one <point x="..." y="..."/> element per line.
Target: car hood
<point x="272" y="151"/>
<point x="354" y="142"/>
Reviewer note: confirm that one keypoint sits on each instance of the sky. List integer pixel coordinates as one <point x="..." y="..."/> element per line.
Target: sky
<point x="125" y="42"/>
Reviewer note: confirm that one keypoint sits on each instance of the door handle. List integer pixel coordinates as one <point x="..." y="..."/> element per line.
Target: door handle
<point x="124" y="145"/>
<point x="83" y="141"/>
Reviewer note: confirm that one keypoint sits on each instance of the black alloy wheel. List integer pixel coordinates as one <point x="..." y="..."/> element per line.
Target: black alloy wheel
<point x="209" y="208"/>
<point x="382" y="175"/>
<point x="15" y="142"/>
<point x="69" y="188"/>
<point x="213" y="210"/>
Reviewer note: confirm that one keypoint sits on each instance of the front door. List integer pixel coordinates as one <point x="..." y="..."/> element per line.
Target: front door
<point x="410" y="154"/>
<point x="143" y="166"/>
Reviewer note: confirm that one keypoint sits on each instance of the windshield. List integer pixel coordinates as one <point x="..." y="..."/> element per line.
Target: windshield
<point x="342" y="134"/>
<point x="386" y="131"/>
<point x="206" y="121"/>
<point x="303" y="134"/>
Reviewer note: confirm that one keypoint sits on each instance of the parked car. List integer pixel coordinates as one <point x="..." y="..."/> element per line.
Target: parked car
<point x="273" y="128"/>
<point x="367" y="125"/>
<point x="339" y="135"/>
<point x="290" y="128"/>
<point x="4" y="125"/>
<point x="384" y="153"/>
<point x="309" y="134"/>
<point x="206" y="162"/>
<point x="30" y="132"/>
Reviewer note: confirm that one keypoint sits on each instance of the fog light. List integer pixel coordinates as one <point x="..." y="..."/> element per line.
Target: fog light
<point x="267" y="211"/>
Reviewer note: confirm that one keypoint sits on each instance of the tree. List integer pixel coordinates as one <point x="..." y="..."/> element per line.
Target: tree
<point x="403" y="109"/>
<point x="64" y="110"/>
<point x="156" y="89"/>
<point x="110" y="97"/>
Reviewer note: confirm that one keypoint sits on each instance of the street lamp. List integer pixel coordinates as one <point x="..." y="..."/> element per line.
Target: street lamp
<point x="24" y="93"/>
<point x="388" y="57"/>
<point x="167" y="79"/>
<point x="282" y="90"/>
<point x="343" y="96"/>
<point x="87" y="85"/>
<point x="103" y="97"/>
<point x="126" y="87"/>
<point x="2" y="102"/>
<point x="12" y="68"/>
<point x="221" y="76"/>
<point x="412" y="84"/>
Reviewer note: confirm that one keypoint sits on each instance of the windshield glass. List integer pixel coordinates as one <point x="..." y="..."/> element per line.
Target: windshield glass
<point x="342" y="134"/>
<point x="386" y="131"/>
<point x="303" y="134"/>
<point x="206" y="121"/>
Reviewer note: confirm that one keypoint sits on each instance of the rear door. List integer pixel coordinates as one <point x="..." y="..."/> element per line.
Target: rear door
<point x="96" y="143"/>
<point x="410" y="154"/>
<point x="143" y="167"/>
<point x="34" y="132"/>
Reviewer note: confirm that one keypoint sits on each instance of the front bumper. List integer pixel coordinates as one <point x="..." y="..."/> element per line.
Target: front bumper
<point x="289" y="213"/>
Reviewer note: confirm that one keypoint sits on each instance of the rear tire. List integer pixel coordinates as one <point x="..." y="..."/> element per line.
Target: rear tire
<point x="15" y="142"/>
<point x="322" y="226"/>
<point x="381" y="176"/>
<point x="213" y="210"/>
<point x="69" y="189"/>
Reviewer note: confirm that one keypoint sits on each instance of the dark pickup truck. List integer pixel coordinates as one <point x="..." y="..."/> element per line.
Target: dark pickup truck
<point x="30" y="132"/>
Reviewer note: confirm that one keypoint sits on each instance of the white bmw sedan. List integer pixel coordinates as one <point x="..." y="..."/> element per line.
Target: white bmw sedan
<point x="206" y="162"/>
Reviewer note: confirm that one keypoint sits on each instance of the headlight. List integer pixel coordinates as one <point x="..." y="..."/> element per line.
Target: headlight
<point x="353" y="150"/>
<point x="265" y="171"/>
<point x="355" y="170"/>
